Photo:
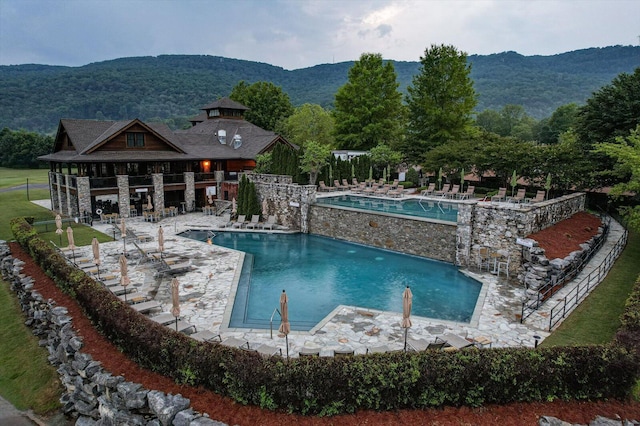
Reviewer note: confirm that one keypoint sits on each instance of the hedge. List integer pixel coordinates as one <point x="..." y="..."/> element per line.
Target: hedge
<point x="329" y="386"/>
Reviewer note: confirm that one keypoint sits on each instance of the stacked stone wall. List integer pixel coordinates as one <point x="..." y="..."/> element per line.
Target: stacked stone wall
<point x="499" y="225"/>
<point x="91" y="394"/>
<point x="190" y="191"/>
<point x="288" y="201"/>
<point x="432" y="239"/>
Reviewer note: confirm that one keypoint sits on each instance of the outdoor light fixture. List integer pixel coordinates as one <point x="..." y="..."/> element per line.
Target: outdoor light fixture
<point x="537" y="340"/>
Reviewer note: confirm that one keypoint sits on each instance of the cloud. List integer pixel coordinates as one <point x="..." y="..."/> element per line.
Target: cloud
<point x="302" y="33"/>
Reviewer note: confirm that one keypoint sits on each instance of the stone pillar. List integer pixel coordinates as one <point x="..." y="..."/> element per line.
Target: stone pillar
<point x="219" y="176"/>
<point x="190" y="191"/>
<point x="158" y="191"/>
<point x="59" y="181"/>
<point x="307" y="196"/>
<point x="67" y="195"/>
<point x="464" y="232"/>
<point x="123" y="194"/>
<point x="84" y="195"/>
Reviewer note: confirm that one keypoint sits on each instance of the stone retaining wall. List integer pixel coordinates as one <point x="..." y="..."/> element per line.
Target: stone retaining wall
<point x="91" y="394"/>
<point x="432" y="239"/>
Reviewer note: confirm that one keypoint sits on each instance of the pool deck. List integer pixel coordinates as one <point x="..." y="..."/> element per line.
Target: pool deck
<point x="205" y="294"/>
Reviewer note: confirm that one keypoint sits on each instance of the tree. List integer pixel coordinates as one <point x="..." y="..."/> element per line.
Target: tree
<point x="512" y="120"/>
<point x="626" y="152"/>
<point x="19" y="148"/>
<point x="548" y="131"/>
<point x="610" y="113"/>
<point x="315" y="156"/>
<point x="383" y="156"/>
<point x="368" y="108"/>
<point x="440" y="99"/>
<point x="267" y="103"/>
<point x="309" y="122"/>
<point x="263" y="163"/>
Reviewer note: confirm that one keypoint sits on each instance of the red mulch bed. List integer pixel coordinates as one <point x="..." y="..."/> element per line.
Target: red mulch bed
<point x="566" y="236"/>
<point x="225" y="410"/>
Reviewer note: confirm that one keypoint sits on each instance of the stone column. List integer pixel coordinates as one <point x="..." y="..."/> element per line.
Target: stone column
<point x="307" y="196"/>
<point x="123" y="194"/>
<point x="84" y="195"/>
<point x="158" y="191"/>
<point x="67" y="194"/>
<point x="190" y="191"/>
<point x="464" y="233"/>
<point x="219" y="176"/>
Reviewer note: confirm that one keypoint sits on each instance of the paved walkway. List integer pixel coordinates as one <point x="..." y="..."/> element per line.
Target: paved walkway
<point x="11" y="416"/>
<point x="206" y="301"/>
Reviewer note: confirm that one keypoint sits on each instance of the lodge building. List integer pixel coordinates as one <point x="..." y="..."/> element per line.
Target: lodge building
<point x="116" y="166"/>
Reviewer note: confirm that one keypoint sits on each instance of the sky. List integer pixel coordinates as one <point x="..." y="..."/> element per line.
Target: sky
<point x="297" y="34"/>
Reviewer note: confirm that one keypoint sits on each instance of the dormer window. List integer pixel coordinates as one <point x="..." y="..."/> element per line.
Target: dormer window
<point x="214" y="113"/>
<point x="135" y="140"/>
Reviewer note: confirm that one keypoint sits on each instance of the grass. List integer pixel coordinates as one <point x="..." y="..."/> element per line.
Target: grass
<point x="27" y="380"/>
<point x="15" y="177"/>
<point x="597" y="318"/>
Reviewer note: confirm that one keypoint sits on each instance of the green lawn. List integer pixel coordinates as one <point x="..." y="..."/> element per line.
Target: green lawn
<point x="597" y="318"/>
<point x="14" y="177"/>
<point x="27" y="380"/>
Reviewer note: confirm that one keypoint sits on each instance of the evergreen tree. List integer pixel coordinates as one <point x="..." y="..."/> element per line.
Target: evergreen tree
<point x="440" y="99"/>
<point x="267" y="103"/>
<point x="368" y="108"/>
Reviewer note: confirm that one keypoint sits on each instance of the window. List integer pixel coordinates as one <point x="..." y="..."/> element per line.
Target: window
<point x="135" y="140"/>
<point x="214" y="113"/>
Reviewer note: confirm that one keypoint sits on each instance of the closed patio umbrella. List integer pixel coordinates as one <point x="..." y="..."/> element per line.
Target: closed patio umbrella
<point x="264" y="207"/>
<point x="439" y="179"/>
<point x="160" y="240"/>
<point x="234" y="207"/>
<point x="285" y="327"/>
<point x="72" y="245"/>
<point x="124" y="277"/>
<point x="59" y="230"/>
<point x="149" y="203"/>
<point x="95" y="247"/>
<point x="462" y="179"/>
<point x="547" y="186"/>
<point x="175" y="299"/>
<point x="407" y="297"/>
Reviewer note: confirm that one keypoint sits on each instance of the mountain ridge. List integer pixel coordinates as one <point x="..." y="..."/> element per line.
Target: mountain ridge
<point x="36" y="96"/>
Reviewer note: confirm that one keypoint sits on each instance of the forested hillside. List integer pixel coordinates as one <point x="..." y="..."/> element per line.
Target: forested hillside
<point x="35" y="97"/>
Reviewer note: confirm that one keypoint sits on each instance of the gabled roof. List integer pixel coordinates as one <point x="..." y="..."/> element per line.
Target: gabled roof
<point x="161" y="130"/>
<point x="225" y="103"/>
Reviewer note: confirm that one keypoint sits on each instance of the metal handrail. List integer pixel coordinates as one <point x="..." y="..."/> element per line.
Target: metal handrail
<point x="271" y="320"/>
<point x="559" y="311"/>
<point x="554" y="284"/>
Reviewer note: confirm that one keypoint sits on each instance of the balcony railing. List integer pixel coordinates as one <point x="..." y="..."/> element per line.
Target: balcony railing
<point x="140" y="181"/>
<point x="175" y="178"/>
<point x="200" y="177"/>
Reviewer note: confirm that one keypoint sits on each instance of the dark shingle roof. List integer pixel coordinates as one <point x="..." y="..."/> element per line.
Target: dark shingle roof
<point x="225" y="103"/>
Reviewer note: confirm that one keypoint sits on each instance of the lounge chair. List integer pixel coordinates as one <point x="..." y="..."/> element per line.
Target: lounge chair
<point x="236" y="343"/>
<point x="378" y="349"/>
<point x="359" y="188"/>
<point x="343" y="352"/>
<point x="338" y="186"/>
<point x="271" y="221"/>
<point x="346" y="185"/>
<point x="429" y="191"/>
<point x="133" y="298"/>
<point x="420" y="345"/>
<point x="519" y="197"/>
<point x="309" y="352"/>
<point x="453" y="193"/>
<point x="163" y="318"/>
<point x="324" y="188"/>
<point x="397" y="192"/>
<point x="181" y="327"/>
<point x="206" y="336"/>
<point x="468" y="193"/>
<point x="254" y="222"/>
<point x="176" y="268"/>
<point x="445" y="189"/>
<point x="240" y="222"/>
<point x="456" y="341"/>
<point x="268" y="351"/>
<point x="226" y="221"/>
<point x="500" y="196"/>
<point x="145" y="307"/>
<point x="540" y="195"/>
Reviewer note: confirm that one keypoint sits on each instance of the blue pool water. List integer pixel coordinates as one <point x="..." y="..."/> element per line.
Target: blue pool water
<point x="320" y="273"/>
<point x="430" y="209"/>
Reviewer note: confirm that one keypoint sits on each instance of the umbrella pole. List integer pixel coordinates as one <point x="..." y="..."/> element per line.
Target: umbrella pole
<point x="406" y="330"/>
<point x="176" y="323"/>
<point x="98" y="266"/>
<point x="125" y="295"/>
<point x="286" y="338"/>
<point x="60" y="235"/>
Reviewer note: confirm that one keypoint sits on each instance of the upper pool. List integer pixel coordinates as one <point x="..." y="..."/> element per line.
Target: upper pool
<point x="419" y="207"/>
<point x="320" y="273"/>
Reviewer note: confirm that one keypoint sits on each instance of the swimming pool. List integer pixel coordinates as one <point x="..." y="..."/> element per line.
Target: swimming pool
<point x="320" y="273"/>
<point x="430" y="209"/>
